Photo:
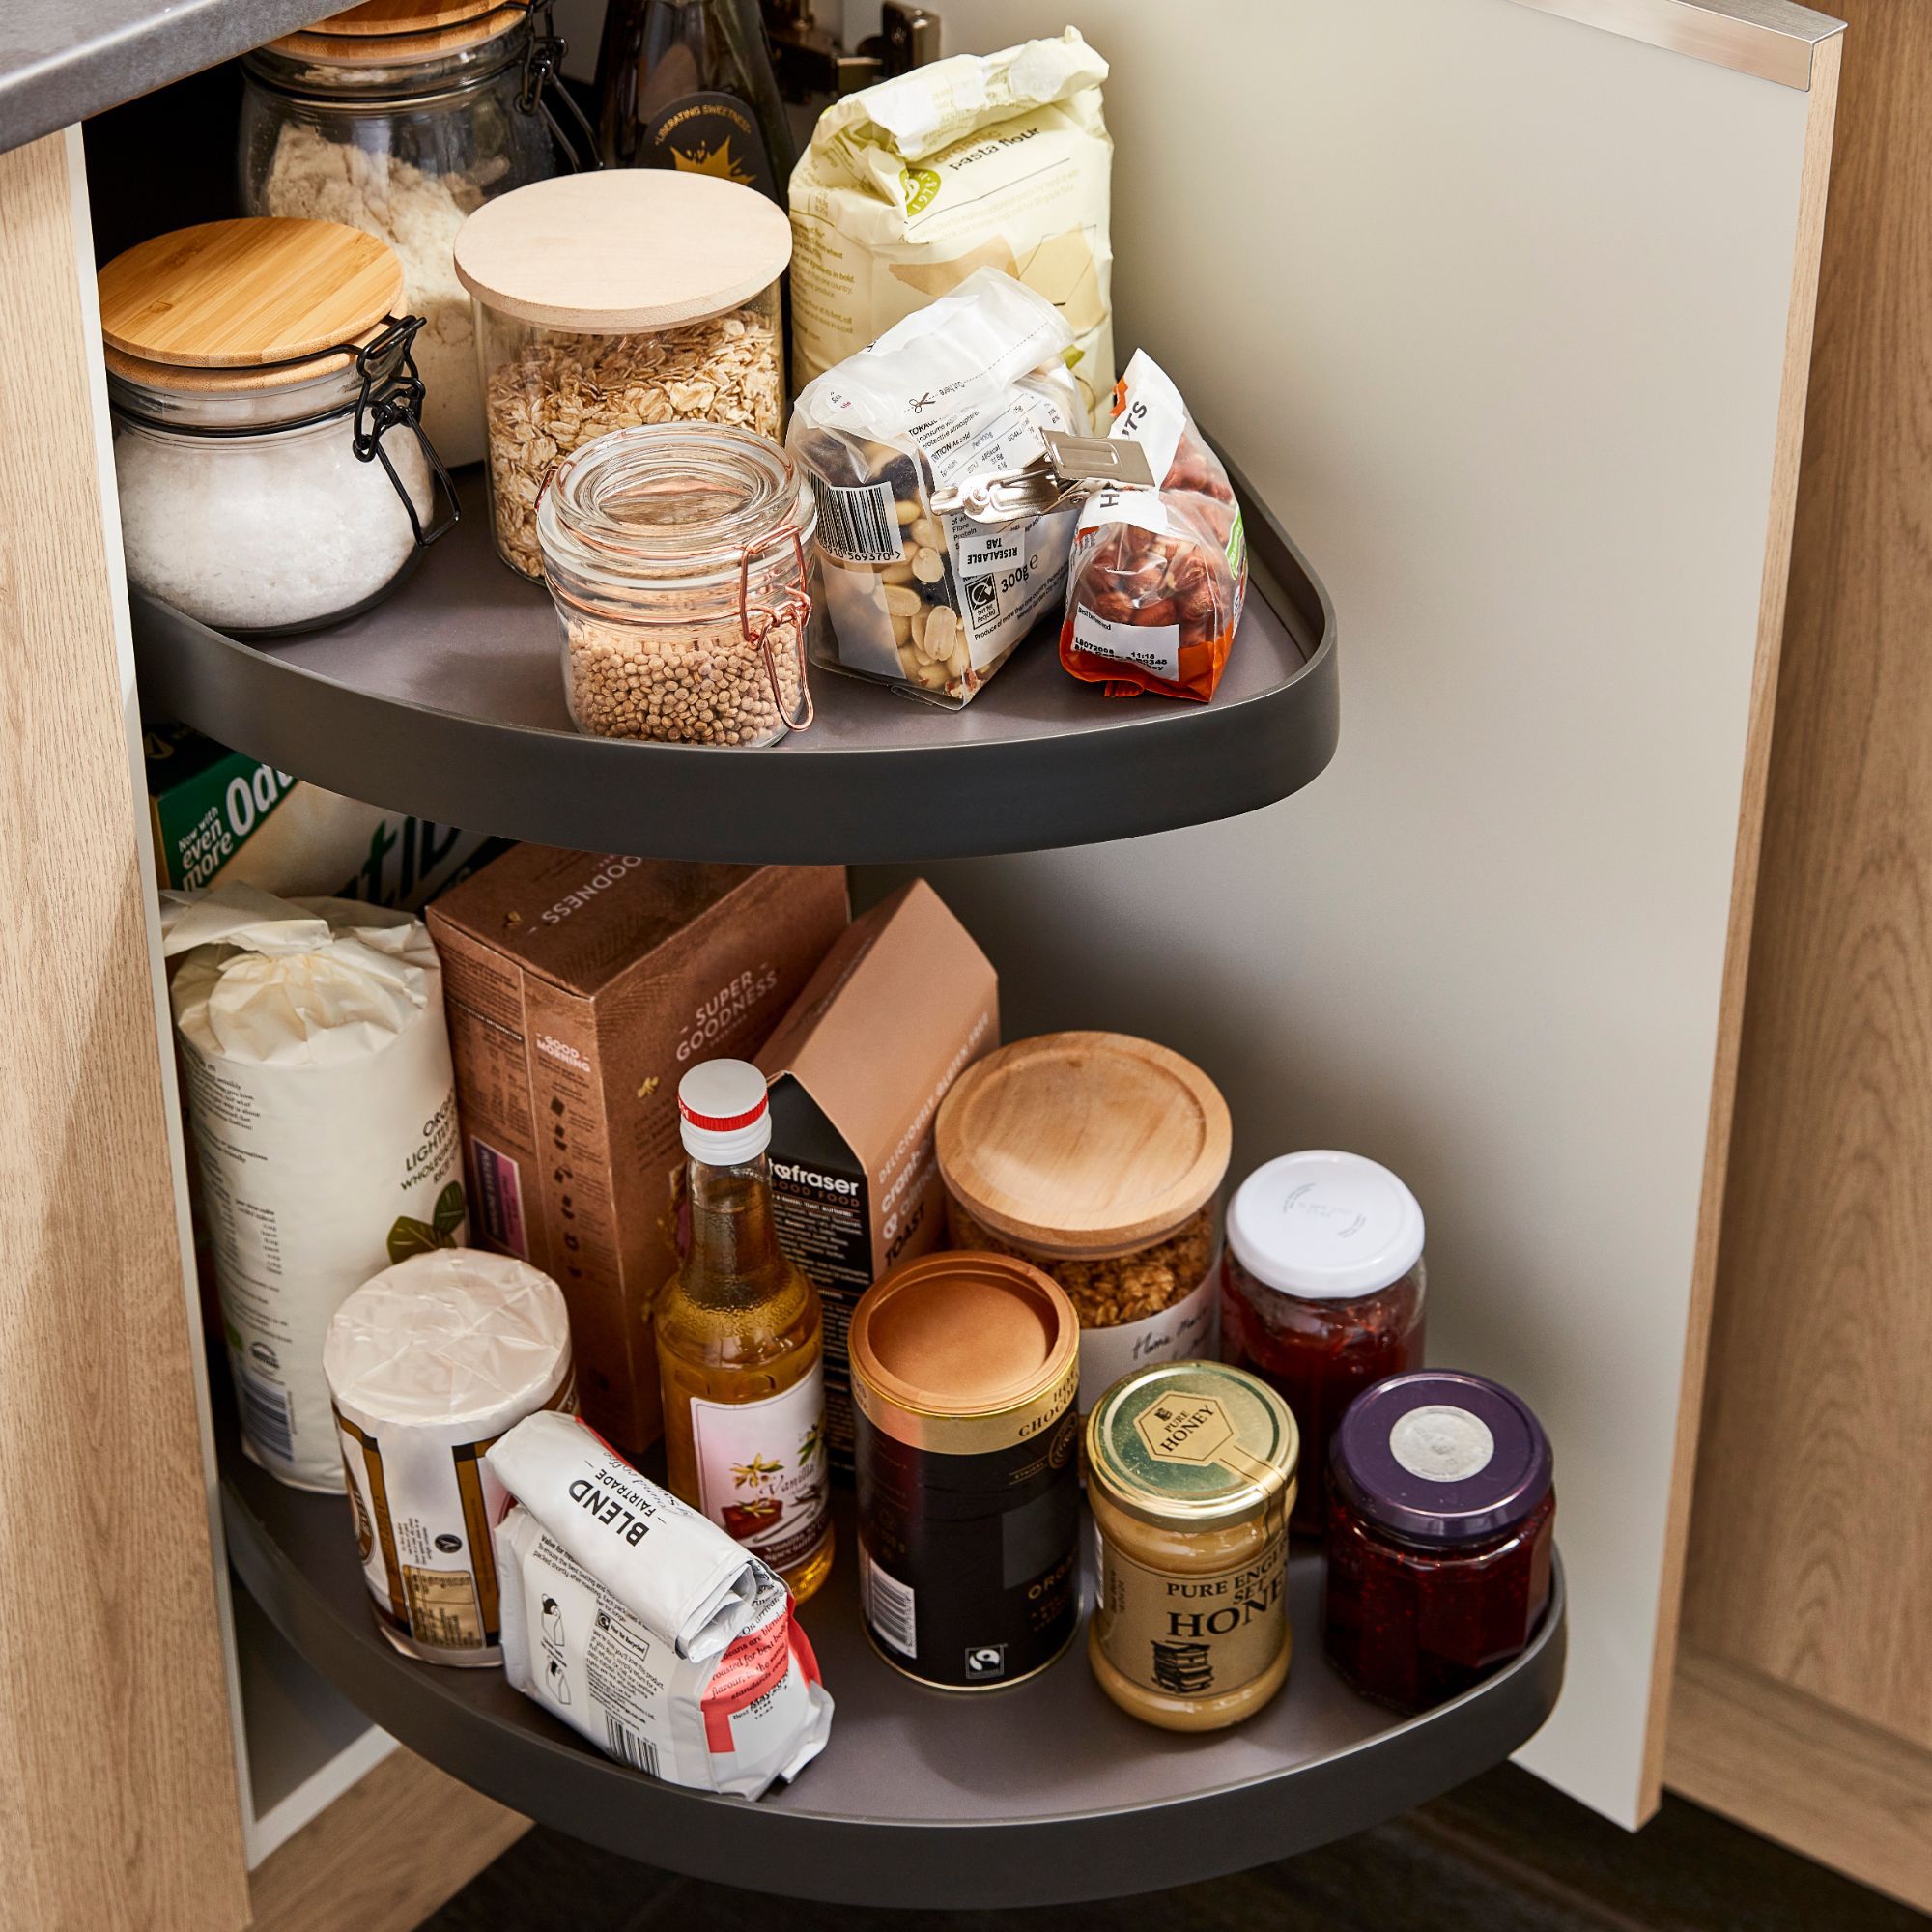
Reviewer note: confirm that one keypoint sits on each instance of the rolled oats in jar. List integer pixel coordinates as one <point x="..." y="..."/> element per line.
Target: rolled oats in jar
<point x="1096" y="1157"/>
<point x="611" y="300"/>
<point x="674" y="553"/>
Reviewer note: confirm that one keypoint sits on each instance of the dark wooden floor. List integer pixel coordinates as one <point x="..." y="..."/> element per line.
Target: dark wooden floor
<point x="1505" y="1853"/>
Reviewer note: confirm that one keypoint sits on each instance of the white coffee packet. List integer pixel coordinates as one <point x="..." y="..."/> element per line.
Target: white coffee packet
<point x="737" y="1722"/>
<point x="672" y="1567"/>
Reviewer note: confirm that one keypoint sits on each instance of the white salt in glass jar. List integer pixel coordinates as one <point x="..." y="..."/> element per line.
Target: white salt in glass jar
<point x="675" y="554"/>
<point x="274" y="474"/>
<point x="402" y="117"/>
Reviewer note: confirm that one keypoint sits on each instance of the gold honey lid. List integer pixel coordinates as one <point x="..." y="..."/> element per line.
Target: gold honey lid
<point x="390" y="32"/>
<point x="1193" y="1445"/>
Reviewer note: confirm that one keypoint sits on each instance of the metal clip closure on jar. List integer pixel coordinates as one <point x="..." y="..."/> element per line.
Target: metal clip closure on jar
<point x="674" y="553"/>
<point x="1191" y="1476"/>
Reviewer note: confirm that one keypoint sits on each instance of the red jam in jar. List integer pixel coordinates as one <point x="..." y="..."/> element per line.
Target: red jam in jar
<point x="1441" y="1520"/>
<point x="1322" y="1293"/>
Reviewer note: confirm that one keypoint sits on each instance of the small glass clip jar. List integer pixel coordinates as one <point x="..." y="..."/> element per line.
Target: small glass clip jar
<point x="1190" y="1476"/>
<point x="607" y="300"/>
<point x="272" y="470"/>
<point x="1441" y="1524"/>
<point x="675" y="554"/>
<point x="1321" y="1290"/>
<point x="1096" y="1157"/>
<point x="401" y="118"/>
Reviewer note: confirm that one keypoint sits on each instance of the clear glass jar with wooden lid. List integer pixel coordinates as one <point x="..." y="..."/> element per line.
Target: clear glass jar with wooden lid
<point x="609" y="300"/>
<point x="272" y="470"/>
<point x="401" y="118"/>
<point x="1096" y="1157"/>
<point x="1192" y="1472"/>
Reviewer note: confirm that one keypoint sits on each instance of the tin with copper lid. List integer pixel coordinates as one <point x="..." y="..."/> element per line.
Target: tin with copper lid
<point x="964" y="1370"/>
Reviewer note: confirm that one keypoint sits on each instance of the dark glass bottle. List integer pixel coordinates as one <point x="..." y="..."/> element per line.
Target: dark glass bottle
<point x="688" y="84"/>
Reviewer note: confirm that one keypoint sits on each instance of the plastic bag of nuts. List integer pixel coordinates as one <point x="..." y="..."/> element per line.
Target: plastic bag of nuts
<point x="1158" y="576"/>
<point x="934" y="605"/>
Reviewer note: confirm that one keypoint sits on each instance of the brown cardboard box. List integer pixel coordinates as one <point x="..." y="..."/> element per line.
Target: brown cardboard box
<point x="901" y="1005"/>
<point x="580" y="986"/>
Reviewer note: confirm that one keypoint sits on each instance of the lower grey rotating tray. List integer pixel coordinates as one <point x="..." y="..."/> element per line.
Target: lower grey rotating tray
<point x="1038" y="1795"/>
<point x="447" y="701"/>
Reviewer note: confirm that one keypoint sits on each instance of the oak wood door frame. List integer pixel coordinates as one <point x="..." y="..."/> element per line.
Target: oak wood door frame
<point x="116" y="1739"/>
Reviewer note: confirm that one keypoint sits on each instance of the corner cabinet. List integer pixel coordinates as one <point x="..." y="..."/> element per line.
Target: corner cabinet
<point x="1532" y="406"/>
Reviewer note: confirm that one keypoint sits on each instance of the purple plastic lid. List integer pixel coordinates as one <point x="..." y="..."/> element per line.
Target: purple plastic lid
<point x="1442" y="1457"/>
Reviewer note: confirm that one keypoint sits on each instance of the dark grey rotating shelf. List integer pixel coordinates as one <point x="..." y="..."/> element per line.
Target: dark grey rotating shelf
<point x="1038" y="1795"/>
<point x="447" y="701"/>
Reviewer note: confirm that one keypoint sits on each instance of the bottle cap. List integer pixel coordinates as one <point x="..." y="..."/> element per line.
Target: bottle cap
<point x="724" y="1112"/>
<point x="1326" y="1226"/>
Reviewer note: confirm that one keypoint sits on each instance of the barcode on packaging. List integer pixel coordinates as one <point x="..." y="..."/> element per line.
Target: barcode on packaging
<point x="631" y="1746"/>
<point x="265" y="1416"/>
<point x="860" y="525"/>
<point x="890" y="1606"/>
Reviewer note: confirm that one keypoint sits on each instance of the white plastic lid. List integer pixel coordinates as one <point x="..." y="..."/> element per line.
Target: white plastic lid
<point x="724" y="1112"/>
<point x="1324" y="1225"/>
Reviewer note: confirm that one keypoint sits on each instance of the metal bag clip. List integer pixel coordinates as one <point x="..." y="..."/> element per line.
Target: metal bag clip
<point x="1070" y="467"/>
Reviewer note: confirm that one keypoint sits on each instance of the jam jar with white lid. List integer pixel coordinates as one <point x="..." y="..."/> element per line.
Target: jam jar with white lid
<point x="1323" y="1291"/>
<point x="1441" y="1526"/>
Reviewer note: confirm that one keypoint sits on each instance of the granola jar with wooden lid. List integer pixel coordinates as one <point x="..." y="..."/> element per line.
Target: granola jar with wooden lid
<point x="1191" y="1471"/>
<point x="607" y="300"/>
<point x="1096" y="1157"/>
<point x="675" y="554"/>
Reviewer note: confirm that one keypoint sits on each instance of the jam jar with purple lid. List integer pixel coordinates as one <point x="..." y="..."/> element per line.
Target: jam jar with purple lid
<point x="1441" y="1515"/>
<point x="1322" y="1293"/>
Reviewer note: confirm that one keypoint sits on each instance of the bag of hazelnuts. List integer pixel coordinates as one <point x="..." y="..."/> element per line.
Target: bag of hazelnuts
<point x="1158" y="575"/>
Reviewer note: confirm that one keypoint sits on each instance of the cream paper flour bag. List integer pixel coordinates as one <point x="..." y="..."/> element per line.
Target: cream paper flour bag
<point x="996" y="160"/>
<point x="317" y="1078"/>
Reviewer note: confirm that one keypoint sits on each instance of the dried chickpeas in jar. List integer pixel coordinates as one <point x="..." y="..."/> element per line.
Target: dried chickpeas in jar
<point x="611" y="301"/>
<point x="674" y="553"/>
<point x="1096" y="1157"/>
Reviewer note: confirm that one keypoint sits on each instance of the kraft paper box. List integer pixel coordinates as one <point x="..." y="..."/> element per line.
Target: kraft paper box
<point x="220" y="817"/>
<point x="579" y="987"/>
<point x="900" y="1008"/>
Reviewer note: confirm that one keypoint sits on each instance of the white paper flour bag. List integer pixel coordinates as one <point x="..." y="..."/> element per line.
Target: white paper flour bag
<point x="597" y="1568"/>
<point x="319" y="1086"/>
<point x="978" y="161"/>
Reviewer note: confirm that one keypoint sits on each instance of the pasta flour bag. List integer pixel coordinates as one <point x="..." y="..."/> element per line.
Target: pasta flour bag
<point x="983" y="160"/>
<point x="642" y="1626"/>
<point x="319" y="1086"/>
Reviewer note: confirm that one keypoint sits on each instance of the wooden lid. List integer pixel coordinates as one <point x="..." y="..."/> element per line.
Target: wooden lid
<point x="401" y="30"/>
<point x="1083" y="1143"/>
<point x="236" y="294"/>
<point x="624" y="248"/>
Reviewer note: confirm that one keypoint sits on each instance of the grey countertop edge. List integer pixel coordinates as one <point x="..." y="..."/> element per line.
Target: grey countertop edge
<point x="63" y="60"/>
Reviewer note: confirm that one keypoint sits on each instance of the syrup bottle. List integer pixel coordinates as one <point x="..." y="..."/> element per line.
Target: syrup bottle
<point x="741" y="1343"/>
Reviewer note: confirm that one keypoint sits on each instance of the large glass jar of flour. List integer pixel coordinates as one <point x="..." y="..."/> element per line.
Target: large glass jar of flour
<point x="273" y="471"/>
<point x="401" y="117"/>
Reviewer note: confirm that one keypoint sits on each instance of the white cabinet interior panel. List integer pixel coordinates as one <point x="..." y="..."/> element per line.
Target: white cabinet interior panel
<point x="1491" y="307"/>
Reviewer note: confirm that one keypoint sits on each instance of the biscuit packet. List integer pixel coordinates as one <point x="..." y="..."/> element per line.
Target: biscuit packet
<point x="1160" y="573"/>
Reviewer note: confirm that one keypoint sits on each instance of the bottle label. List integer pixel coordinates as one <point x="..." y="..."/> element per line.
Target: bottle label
<point x="1195" y="1635"/>
<point x="762" y="1470"/>
<point x="710" y="134"/>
